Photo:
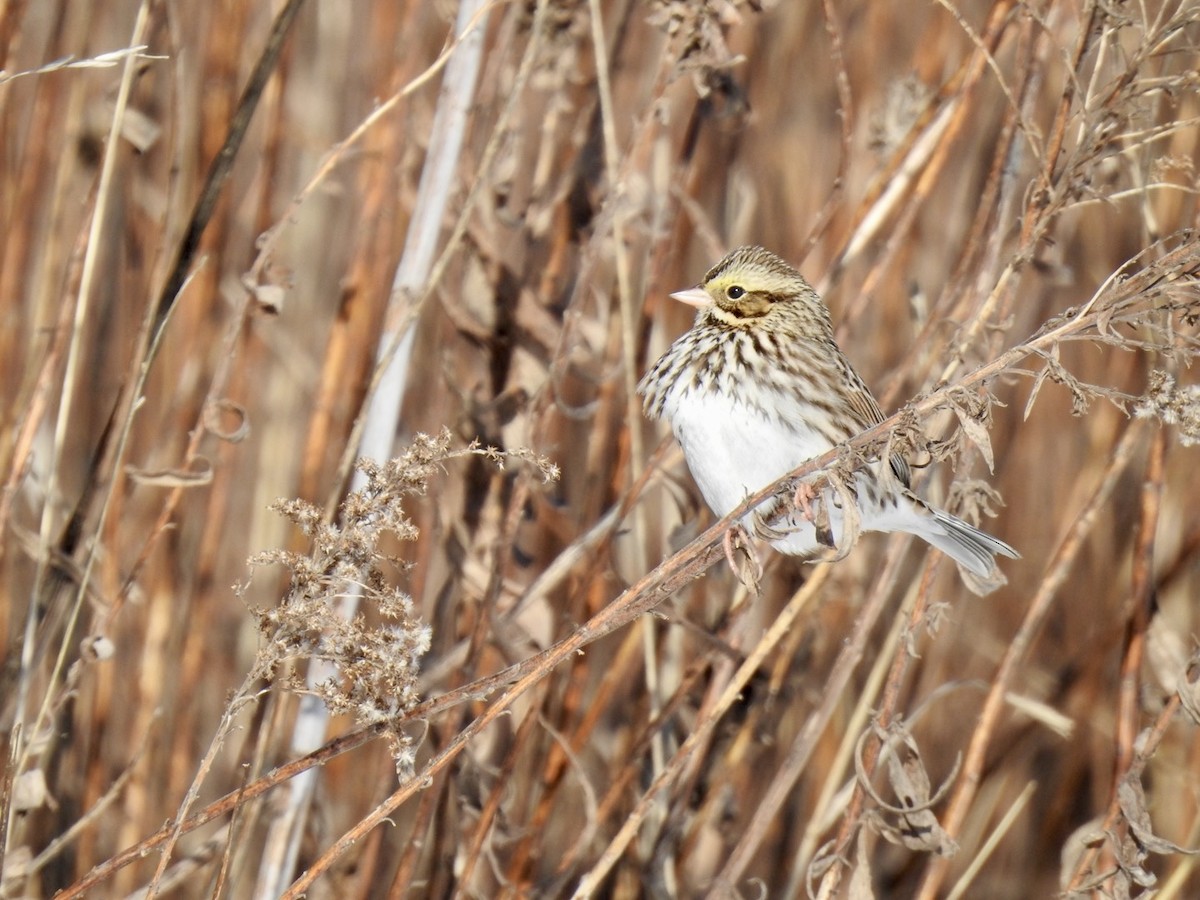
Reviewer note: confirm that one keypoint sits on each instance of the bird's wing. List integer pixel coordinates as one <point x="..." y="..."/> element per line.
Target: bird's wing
<point x="866" y="409"/>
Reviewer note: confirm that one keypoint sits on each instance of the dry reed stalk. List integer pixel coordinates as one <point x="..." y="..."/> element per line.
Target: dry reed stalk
<point x="998" y="204"/>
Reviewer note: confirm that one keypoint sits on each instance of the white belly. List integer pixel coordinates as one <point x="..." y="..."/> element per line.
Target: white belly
<point x="734" y="450"/>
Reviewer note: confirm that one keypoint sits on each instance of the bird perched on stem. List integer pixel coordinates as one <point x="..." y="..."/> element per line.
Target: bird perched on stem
<point x="758" y="387"/>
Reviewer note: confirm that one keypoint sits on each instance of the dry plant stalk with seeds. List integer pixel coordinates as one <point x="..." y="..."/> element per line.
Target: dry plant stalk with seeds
<point x="210" y="218"/>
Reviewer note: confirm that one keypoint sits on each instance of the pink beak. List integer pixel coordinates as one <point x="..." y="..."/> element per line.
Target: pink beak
<point x="696" y="297"/>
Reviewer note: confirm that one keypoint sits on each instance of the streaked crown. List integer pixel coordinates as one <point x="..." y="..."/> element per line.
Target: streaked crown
<point x="765" y="272"/>
<point x="752" y="284"/>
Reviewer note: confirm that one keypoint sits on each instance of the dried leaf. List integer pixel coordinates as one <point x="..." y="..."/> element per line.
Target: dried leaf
<point x="200" y="475"/>
<point x="977" y="434"/>
<point x="745" y="561"/>
<point x="29" y="791"/>
<point x="140" y="129"/>
<point x="915" y="825"/>
<point x="97" y="648"/>
<point x="1166" y="653"/>
<point x="17" y="863"/>
<point x="981" y="586"/>
<point x="823" y="860"/>
<point x="270" y="298"/>
<point x="1035" y="390"/>
<point x="1047" y="715"/>
<point x="214" y="420"/>
<point x="861" y="885"/>
<point x="851" y="518"/>
<point x="1132" y="798"/>
<point x="1104" y="320"/>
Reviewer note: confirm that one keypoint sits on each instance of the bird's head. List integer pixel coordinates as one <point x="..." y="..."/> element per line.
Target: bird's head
<point x="747" y="286"/>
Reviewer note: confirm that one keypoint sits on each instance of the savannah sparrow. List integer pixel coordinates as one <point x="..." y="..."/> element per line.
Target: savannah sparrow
<point x="758" y="387"/>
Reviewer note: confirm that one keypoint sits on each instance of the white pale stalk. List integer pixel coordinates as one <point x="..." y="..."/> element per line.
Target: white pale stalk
<point x="383" y="413"/>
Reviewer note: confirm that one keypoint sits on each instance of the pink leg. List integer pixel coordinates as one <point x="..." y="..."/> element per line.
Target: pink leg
<point x="805" y="495"/>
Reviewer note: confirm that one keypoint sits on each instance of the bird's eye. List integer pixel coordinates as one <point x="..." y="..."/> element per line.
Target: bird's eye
<point x="735" y="292"/>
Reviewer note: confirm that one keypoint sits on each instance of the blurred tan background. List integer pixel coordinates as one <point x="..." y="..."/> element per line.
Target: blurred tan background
<point x="952" y="177"/>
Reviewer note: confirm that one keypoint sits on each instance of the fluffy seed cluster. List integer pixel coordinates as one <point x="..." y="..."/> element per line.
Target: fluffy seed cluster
<point x="1174" y="404"/>
<point x="377" y="652"/>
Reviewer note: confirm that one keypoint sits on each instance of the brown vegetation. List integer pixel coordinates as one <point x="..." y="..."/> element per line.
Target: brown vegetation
<point x="214" y="216"/>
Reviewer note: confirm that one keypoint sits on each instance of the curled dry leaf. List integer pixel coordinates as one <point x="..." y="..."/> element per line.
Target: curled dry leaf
<point x="1130" y="848"/>
<point x="913" y="823"/>
<point x="747" y="566"/>
<point x="823" y="860"/>
<point x="983" y="585"/>
<point x="974" y="426"/>
<point x="973" y="499"/>
<point x="220" y="413"/>
<point x="851" y="520"/>
<point x="1132" y="798"/>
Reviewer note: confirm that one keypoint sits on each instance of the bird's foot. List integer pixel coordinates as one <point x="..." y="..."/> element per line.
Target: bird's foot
<point x="804" y="497"/>
<point x="809" y="502"/>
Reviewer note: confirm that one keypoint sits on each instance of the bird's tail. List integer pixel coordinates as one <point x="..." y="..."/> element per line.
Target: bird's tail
<point x="975" y="551"/>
